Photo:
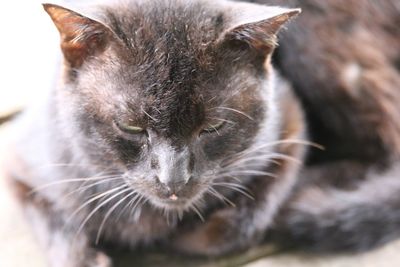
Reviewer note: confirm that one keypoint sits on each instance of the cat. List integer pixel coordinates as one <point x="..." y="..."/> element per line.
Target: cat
<point x="164" y="105"/>
<point x="169" y="113"/>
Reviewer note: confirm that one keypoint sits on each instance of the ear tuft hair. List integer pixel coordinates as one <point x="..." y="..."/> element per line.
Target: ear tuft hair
<point x="81" y="37"/>
<point x="258" y="25"/>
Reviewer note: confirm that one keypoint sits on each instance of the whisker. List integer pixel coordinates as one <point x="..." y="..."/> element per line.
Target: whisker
<point x="86" y="187"/>
<point x="279" y="142"/>
<point x="245" y="164"/>
<point x="249" y="172"/>
<point x="220" y="196"/>
<point x="137" y="209"/>
<point x="97" y="175"/>
<point x="128" y="205"/>
<point x="109" y="213"/>
<point x="148" y="115"/>
<point x="96" y="197"/>
<point x="197" y="211"/>
<point x="223" y="120"/>
<point x="286" y="157"/>
<point x="215" y="129"/>
<point x="170" y="217"/>
<point x="68" y="165"/>
<point x="99" y="207"/>
<point x="234" y="178"/>
<point x="180" y="215"/>
<point x="239" y="190"/>
<point x="235" y="110"/>
<point x="261" y="160"/>
<point x="65" y="181"/>
<point x="268" y="158"/>
<point x="231" y="184"/>
<point x="137" y="204"/>
<point x="211" y="99"/>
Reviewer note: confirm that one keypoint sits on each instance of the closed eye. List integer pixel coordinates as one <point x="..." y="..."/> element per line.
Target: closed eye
<point x="213" y="128"/>
<point x="130" y="129"/>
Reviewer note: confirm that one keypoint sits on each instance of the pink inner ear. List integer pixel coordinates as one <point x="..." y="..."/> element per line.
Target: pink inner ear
<point x="261" y="34"/>
<point x="81" y="37"/>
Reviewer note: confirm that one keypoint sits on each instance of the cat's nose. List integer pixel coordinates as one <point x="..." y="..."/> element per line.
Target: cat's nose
<point x="173" y="186"/>
<point x="174" y="167"/>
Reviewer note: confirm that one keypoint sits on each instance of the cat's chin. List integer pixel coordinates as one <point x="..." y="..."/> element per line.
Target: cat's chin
<point x="168" y="204"/>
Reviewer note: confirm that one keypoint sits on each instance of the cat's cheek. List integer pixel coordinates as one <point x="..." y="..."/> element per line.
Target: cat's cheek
<point x="216" y="147"/>
<point x="129" y="152"/>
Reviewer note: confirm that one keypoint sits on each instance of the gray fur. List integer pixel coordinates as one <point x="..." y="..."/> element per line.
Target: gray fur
<point x="173" y="68"/>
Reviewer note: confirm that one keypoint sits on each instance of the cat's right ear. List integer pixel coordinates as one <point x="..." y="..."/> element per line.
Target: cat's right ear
<point x="81" y="37"/>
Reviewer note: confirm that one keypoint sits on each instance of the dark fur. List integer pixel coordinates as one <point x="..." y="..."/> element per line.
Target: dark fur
<point x="331" y="37"/>
<point x="344" y="67"/>
<point x="164" y="66"/>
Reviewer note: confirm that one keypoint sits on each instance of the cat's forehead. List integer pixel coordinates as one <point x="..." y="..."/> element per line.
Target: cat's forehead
<point x="168" y="64"/>
<point x="160" y="34"/>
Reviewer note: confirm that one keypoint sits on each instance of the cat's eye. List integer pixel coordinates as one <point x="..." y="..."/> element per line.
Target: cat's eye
<point x="130" y="129"/>
<point x="215" y="127"/>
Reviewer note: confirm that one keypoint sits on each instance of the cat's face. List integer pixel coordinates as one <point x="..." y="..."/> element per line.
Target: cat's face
<point x="173" y="103"/>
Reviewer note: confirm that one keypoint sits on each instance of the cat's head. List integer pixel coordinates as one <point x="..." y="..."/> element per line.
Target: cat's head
<point x="173" y="94"/>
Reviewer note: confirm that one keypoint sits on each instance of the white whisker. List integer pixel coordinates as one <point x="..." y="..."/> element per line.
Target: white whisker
<point x="223" y="120"/>
<point x="96" y="197"/>
<point x="90" y="215"/>
<point x="243" y="191"/>
<point x="148" y="115"/>
<point x="109" y="213"/>
<point x="65" y="181"/>
<point x="82" y="189"/>
<point x="197" y="211"/>
<point x="248" y="172"/>
<point x="279" y="142"/>
<point x="128" y="205"/>
<point x="235" y="110"/>
<point x="220" y="196"/>
<point x="137" y="204"/>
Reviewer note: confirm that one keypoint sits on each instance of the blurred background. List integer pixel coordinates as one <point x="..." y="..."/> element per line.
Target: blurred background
<point x="29" y="53"/>
<point x="29" y="49"/>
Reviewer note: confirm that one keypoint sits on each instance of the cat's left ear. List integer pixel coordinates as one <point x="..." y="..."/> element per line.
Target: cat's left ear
<point x="81" y="36"/>
<point x="257" y="25"/>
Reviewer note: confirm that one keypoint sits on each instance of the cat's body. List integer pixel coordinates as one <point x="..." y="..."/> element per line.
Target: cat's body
<point x="163" y="103"/>
<point x="344" y="67"/>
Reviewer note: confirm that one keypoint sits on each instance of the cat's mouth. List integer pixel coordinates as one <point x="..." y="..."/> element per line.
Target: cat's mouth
<point x="161" y="197"/>
<point x="174" y="201"/>
<point x="177" y="201"/>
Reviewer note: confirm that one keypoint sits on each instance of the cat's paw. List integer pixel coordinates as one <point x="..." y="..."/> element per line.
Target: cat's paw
<point x="102" y="260"/>
<point x="85" y="258"/>
<point x="97" y="259"/>
<point x="222" y="233"/>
